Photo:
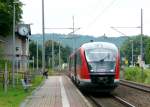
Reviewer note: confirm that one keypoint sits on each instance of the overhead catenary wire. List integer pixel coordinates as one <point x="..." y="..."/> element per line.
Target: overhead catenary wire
<point x="99" y="15"/>
<point x="118" y="31"/>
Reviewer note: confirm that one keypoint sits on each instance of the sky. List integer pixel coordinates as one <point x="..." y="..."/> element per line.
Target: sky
<point x="93" y="17"/>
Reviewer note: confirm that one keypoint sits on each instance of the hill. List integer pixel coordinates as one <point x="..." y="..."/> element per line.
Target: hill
<point x="78" y="39"/>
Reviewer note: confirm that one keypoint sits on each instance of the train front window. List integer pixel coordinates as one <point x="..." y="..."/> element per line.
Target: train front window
<point x="101" y="59"/>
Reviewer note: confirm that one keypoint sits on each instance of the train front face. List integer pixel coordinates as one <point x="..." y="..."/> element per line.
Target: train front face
<point x="103" y="65"/>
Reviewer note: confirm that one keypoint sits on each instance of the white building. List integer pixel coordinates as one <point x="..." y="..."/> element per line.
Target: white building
<point x="21" y="47"/>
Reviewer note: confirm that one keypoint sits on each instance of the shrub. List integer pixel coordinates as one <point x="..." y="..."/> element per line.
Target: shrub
<point x="135" y="74"/>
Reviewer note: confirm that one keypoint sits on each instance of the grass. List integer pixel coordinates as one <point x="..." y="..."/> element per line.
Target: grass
<point x="15" y="96"/>
<point x="135" y="74"/>
<point x="147" y="80"/>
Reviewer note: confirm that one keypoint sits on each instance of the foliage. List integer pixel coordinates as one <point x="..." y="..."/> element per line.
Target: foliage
<point x="126" y="49"/>
<point x="147" y="80"/>
<point x="1" y="51"/>
<point x="33" y="52"/>
<point x="2" y="65"/>
<point x="6" y="16"/>
<point x="147" y="51"/>
<point x="3" y="61"/>
<point x="64" y="52"/>
<point x="135" y="74"/>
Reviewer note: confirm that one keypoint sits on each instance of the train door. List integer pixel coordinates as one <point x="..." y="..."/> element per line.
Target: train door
<point x="75" y="65"/>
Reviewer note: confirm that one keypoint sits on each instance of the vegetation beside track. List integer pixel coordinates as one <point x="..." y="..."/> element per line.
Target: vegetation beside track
<point x="15" y="96"/>
<point x="135" y="74"/>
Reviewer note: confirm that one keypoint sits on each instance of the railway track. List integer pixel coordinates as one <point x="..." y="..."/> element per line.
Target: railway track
<point x="109" y="101"/>
<point x="134" y="85"/>
<point x="125" y="94"/>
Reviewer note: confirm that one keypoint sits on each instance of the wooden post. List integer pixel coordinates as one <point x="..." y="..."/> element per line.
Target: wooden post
<point x="5" y="77"/>
<point x="17" y="71"/>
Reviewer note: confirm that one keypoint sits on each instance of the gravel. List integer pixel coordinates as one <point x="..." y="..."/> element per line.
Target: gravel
<point x="133" y="96"/>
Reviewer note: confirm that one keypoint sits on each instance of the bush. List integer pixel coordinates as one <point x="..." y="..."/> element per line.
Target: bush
<point x="147" y="80"/>
<point x="15" y="96"/>
<point x="135" y="74"/>
<point x="2" y="65"/>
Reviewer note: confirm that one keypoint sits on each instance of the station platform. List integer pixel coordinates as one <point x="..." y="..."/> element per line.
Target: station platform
<point x="56" y="91"/>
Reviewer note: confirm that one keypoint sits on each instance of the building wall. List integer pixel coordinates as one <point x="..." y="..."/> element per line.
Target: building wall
<point x="2" y="44"/>
<point x="21" y="51"/>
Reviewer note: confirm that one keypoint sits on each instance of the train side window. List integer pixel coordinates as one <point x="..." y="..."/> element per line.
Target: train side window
<point x="78" y="58"/>
<point x="69" y="63"/>
<point x="72" y="62"/>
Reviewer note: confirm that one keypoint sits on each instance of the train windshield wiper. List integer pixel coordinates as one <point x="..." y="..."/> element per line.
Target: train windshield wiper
<point x="101" y="60"/>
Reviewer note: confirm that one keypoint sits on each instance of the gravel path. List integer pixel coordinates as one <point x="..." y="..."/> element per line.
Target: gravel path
<point x="134" y="96"/>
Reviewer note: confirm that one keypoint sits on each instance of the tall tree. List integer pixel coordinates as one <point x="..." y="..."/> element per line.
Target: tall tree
<point x="65" y="51"/>
<point x="6" y="15"/>
<point x="126" y="49"/>
<point x="147" y="51"/>
<point x="33" y="52"/>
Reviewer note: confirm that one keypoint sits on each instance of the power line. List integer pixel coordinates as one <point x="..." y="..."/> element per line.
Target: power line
<point x="100" y="14"/>
<point x="114" y="28"/>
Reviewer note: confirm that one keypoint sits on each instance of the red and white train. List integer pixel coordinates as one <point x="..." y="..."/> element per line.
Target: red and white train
<point x="96" y="65"/>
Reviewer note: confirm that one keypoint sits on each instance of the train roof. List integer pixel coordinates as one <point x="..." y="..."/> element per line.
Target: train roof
<point x="92" y="45"/>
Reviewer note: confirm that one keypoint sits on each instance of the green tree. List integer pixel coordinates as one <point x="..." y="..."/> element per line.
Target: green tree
<point x="6" y="16"/>
<point x="147" y="51"/>
<point x="65" y="51"/>
<point x="33" y="52"/>
<point x="126" y="49"/>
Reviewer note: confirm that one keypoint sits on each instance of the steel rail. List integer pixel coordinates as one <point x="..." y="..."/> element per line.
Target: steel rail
<point x="122" y="101"/>
<point x="116" y="98"/>
<point x="135" y="85"/>
<point x="95" y="102"/>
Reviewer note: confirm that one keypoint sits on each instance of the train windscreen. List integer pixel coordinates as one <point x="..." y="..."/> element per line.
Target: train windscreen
<point x="101" y="60"/>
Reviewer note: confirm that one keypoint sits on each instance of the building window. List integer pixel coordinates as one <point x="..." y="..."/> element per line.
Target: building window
<point x="17" y="48"/>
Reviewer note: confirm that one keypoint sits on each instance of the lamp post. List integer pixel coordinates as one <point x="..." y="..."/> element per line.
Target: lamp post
<point x="132" y="52"/>
<point x="73" y="34"/>
<point x="53" y="53"/>
<point x="59" y="56"/>
<point x="37" y="55"/>
<point x="114" y="28"/>
<point x="14" y="50"/>
<point x="43" y="31"/>
<point x="142" y="62"/>
<point x="33" y="62"/>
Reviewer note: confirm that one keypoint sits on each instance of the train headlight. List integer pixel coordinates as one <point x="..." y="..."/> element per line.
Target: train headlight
<point x="111" y="70"/>
<point x="92" y="70"/>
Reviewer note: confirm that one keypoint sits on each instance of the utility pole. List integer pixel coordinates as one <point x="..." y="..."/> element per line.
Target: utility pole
<point x="141" y="35"/>
<point x="49" y="60"/>
<point x="37" y="56"/>
<point x="14" y="45"/>
<point x="132" y="52"/>
<point x="59" y="56"/>
<point x="114" y="28"/>
<point x="142" y="43"/>
<point x="72" y="28"/>
<point x="28" y="56"/>
<point x="43" y="31"/>
<point x="52" y="53"/>
<point x="73" y="33"/>
<point x="6" y="78"/>
<point x="33" y="62"/>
